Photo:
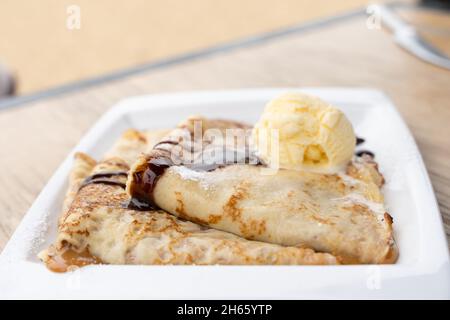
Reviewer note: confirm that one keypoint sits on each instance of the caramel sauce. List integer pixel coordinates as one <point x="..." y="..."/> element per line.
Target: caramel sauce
<point x="64" y="260"/>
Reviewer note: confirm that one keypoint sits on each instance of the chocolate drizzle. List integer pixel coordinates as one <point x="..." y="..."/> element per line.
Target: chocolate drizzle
<point x="135" y="204"/>
<point x="144" y="179"/>
<point x="196" y="154"/>
<point x="361" y="153"/>
<point x="360" y="140"/>
<point x="365" y="152"/>
<point x="105" y="178"/>
<point x="157" y="146"/>
<point x="145" y="176"/>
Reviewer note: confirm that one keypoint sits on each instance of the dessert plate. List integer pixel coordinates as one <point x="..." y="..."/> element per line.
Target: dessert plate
<point x="422" y="270"/>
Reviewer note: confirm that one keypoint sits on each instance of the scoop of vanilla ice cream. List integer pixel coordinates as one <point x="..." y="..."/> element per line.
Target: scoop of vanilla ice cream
<point x="311" y="134"/>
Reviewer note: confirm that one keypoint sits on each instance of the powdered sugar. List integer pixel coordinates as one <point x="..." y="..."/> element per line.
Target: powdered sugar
<point x="189" y="174"/>
<point x="355" y="198"/>
<point x="349" y="180"/>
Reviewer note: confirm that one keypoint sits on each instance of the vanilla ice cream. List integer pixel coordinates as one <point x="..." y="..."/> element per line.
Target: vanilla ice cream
<point x="310" y="134"/>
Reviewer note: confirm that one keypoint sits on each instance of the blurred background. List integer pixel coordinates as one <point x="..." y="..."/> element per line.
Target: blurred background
<point x="43" y="45"/>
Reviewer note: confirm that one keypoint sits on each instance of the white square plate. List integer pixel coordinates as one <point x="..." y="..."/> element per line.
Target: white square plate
<point x="422" y="270"/>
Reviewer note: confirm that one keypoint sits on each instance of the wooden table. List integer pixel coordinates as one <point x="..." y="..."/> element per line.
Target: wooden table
<point x="147" y="29"/>
<point x="37" y="135"/>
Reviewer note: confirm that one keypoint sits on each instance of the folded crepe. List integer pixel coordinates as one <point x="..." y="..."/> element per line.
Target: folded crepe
<point x="98" y="226"/>
<point x="342" y="214"/>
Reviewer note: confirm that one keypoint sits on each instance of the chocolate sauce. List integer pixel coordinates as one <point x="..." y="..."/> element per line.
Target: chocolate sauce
<point x="109" y="174"/>
<point x="158" y="146"/>
<point x="365" y="152"/>
<point x="165" y="142"/>
<point x="145" y="178"/>
<point x="135" y="204"/>
<point x="360" y="141"/>
<point x="104" y="181"/>
<point x="105" y="178"/>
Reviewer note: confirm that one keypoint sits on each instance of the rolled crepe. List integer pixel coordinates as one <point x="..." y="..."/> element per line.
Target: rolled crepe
<point x="97" y="225"/>
<point x="342" y="214"/>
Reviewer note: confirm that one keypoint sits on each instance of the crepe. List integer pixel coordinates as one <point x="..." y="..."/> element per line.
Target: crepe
<point x="342" y="214"/>
<point x="97" y="226"/>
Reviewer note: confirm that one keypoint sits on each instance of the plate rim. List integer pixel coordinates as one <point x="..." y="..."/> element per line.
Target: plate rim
<point x="131" y="104"/>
